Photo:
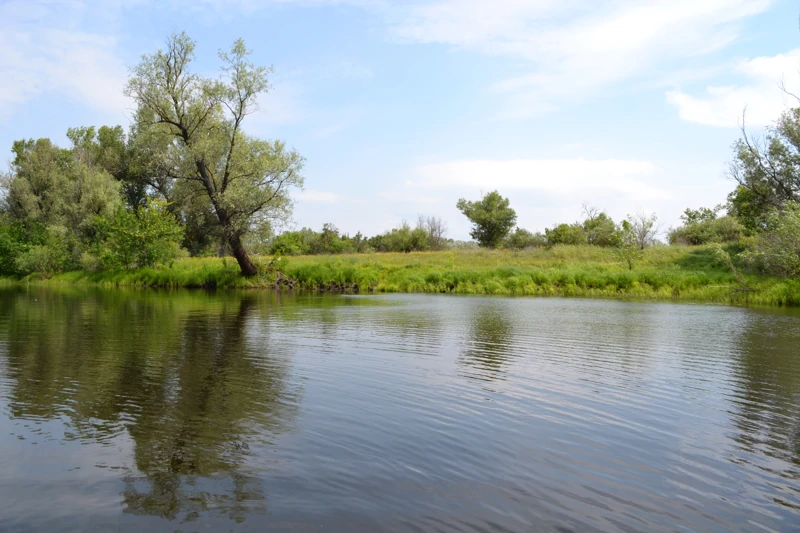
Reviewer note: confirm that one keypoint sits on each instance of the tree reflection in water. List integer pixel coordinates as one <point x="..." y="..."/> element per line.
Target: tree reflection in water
<point x="193" y="382"/>
<point x="489" y="345"/>
<point x="767" y="389"/>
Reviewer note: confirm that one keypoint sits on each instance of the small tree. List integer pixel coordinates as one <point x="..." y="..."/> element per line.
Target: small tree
<point x="436" y="229"/>
<point x="627" y="248"/>
<point x="643" y="229"/>
<point x="491" y="218"/>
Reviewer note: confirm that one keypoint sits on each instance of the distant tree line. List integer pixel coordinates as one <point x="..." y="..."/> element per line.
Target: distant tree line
<point x="429" y="234"/>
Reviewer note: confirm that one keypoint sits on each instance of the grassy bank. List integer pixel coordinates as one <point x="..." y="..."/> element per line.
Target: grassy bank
<point x="664" y="273"/>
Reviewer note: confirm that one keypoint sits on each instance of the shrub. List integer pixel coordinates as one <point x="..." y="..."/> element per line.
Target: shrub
<point x="52" y="254"/>
<point x="777" y="249"/>
<point x="147" y="237"/>
<point x="566" y="234"/>
<point x="703" y="226"/>
<point x="600" y="230"/>
<point x="520" y="239"/>
<point x="289" y="243"/>
<point x="26" y="246"/>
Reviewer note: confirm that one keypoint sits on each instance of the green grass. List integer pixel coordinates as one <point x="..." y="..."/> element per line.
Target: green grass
<point x="664" y="273"/>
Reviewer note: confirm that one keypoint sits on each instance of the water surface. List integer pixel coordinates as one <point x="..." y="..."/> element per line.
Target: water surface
<point x="192" y="411"/>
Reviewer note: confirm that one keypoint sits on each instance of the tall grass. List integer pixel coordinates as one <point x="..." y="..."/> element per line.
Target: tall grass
<point x="663" y="273"/>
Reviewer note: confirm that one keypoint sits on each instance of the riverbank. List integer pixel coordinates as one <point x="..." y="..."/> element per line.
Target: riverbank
<point x="663" y="273"/>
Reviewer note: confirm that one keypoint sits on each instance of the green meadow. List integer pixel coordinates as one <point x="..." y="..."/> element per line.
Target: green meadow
<point x="665" y="273"/>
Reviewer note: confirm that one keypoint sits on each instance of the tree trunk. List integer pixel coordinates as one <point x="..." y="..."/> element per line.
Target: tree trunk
<point x="245" y="263"/>
<point x="234" y="241"/>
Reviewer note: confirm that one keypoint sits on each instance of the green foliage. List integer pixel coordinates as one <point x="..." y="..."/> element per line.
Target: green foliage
<point x="17" y="238"/>
<point x="777" y="249"/>
<point x="571" y="234"/>
<point x="105" y="148"/>
<point x="521" y="239"/>
<point x="192" y="125"/>
<point x="600" y="230"/>
<point x="748" y="207"/>
<point x="50" y="258"/>
<point x="427" y="235"/>
<point x="492" y="218"/>
<point x="328" y="241"/>
<point x="628" y="250"/>
<point x="290" y="243"/>
<point x="661" y="273"/>
<point x="402" y="239"/>
<point x="52" y="197"/>
<point x="703" y="226"/>
<point x="628" y="254"/>
<point x="52" y="186"/>
<point x="767" y="171"/>
<point x="147" y="237"/>
<point x="307" y="241"/>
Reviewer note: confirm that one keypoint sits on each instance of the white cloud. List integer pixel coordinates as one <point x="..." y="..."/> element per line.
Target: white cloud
<point x="570" y="49"/>
<point x="760" y="93"/>
<point x="41" y="51"/>
<point x="573" y="48"/>
<point x="554" y="176"/>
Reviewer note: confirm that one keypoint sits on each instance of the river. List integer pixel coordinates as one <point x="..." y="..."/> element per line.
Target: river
<point x="258" y="411"/>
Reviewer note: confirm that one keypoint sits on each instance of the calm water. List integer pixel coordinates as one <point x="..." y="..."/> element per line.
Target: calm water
<point x="258" y="412"/>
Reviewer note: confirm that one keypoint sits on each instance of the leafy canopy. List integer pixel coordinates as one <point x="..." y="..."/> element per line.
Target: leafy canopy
<point x="767" y="171"/>
<point x="492" y="218"/>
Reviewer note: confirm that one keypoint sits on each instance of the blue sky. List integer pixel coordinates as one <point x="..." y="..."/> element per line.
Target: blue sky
<point x="402" y="107"/>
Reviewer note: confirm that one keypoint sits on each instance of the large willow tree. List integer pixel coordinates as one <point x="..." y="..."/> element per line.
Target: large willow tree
<point x="193" y="126"/>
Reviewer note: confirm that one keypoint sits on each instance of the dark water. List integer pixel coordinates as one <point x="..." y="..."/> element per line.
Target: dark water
<point x="257" y="412"/>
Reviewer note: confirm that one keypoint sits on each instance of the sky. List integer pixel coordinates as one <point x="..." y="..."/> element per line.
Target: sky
<point x="402" y="107"/>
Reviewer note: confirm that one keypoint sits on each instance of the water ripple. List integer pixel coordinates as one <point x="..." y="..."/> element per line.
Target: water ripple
<point x="399" y="413"/>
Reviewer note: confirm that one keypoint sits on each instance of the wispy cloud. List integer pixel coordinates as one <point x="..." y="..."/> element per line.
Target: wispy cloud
<point x="574" y="48"/>
<point x="759" y="91"/>
<point x="569" y="49"/>
<point x="43" y="49"/>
